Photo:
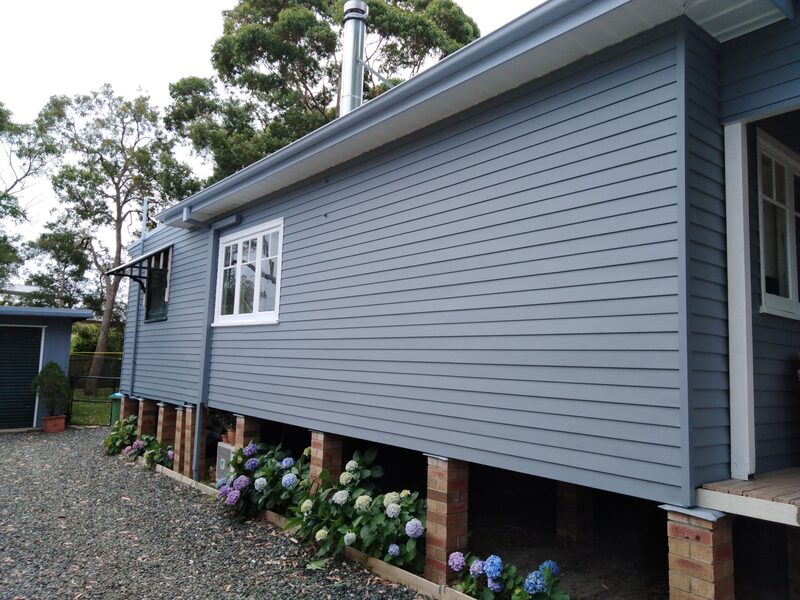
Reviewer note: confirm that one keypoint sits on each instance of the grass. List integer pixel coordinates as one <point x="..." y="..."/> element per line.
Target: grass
<point x="91" y="410"/>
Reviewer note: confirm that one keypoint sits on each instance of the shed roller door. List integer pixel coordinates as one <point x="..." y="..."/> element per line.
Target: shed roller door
<point x="19" y="364"/>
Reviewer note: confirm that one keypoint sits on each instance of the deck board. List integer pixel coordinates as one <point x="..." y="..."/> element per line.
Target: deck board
<point x="777" y="486"/>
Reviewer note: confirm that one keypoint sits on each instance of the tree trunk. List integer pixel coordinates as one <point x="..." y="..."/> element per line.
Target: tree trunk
<point x="102" y="341"/>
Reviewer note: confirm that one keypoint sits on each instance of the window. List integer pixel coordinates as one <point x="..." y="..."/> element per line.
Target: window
<point x="248" y="275"/>
<point x="156" y="289"/>
<point x="779" y="218"/>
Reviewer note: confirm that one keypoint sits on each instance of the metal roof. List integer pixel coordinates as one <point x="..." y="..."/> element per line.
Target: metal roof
<point x="76" y="314"/>
<point x="541" y="41"/>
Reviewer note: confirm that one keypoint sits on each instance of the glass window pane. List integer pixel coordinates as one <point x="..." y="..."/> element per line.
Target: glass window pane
<point x="247" y="289"/>
<point x="252" y="256"/>
<point x="227" y="260"/>
<point x="234" y="253"/>
<point x="776" y="274"/>
<point x="780" y="184"/>
<point x="269" y="281"/>
<point x="245" y="250"/>
<point x="228" y="291"/>
<point x="766" y="175"/>
<point x="275" y="239"/>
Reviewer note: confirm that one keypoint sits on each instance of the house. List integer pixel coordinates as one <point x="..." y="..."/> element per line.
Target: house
<point x="29" y="337"/>
<point x="569" y="249"/>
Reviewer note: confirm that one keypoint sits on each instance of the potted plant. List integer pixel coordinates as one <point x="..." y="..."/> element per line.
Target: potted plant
<point x="53" y="389"/>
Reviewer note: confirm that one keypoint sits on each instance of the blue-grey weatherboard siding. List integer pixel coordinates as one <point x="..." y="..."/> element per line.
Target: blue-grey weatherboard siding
<point x="508" y="287"/>
<point x="760" y="72"/>
<point x="759" y="76"/>
<point x="168" y="356"/>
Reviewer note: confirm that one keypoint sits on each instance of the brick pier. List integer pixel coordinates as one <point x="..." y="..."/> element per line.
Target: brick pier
<point x="448" y="494"/>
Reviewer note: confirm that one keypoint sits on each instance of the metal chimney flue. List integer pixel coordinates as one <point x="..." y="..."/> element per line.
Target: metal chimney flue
<point x="355" y="31"/>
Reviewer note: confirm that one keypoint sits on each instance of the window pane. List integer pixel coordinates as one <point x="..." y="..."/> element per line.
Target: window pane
<point x="269" y="281"/>
<point x="776" y="278"/>
<point x="234" y="253"/>
<point x="766" y="175"/>
<point x="228" y="291"/>
<point x="227" y="260"/>
<point x="780" y="184"/>
<point x="247" y="289"/>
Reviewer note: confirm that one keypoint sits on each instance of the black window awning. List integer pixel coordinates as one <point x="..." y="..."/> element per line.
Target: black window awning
<point x="138" y="268"/>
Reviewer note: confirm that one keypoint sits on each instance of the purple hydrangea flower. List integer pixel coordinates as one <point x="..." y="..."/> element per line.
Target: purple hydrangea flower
<point x="456" y="561"/>
<point x="287" y="463"/>
<point x="250" y="449"/>
<point x="414" y="528"/>
<point x="127" y="450"/>
<point x="493" y="566"/>
<point x="138" y="445"/>
<point x="223" y="492"/>
<point x="495" y="586"/>
<point x="535" y="583"/>
<point x="252" y="464"/>
<point x="232" y="498"/>
<point x="394" y="550"/>
<point x="476" y="568"/>
<point x="241" y="482"/>
<point x="289" y="480"/>
<point x="549" y="564"/>
<point x="170" y="455"/>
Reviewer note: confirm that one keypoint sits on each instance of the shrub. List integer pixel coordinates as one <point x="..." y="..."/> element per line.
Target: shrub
<point x="140" y="446"/>
<point x="53" y="387"/>
<point x="491" y="579"/>
<point x="156" y="454"/>
<point x="263" y="478"/>
<point x="122" y="434"/>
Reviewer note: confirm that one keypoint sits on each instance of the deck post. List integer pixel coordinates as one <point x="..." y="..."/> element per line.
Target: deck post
<point x="326" y="454"/>
<point x="128" y="407"/>
<point x="248" y="429"/>
<point x="148" y="416"/>
<point x="180" y="440"/>
<point x="448" y="506"/>
<point x="700" y="557"/>
<point x="793" y="547"/>
<point x="165" y="431"/>
<point x="575" y="508"/>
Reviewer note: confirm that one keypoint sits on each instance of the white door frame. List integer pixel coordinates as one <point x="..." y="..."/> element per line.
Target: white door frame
<point x="740" y="303"/>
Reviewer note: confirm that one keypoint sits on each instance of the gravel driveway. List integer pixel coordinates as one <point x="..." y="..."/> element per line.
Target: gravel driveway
<point x="75" y="523"/>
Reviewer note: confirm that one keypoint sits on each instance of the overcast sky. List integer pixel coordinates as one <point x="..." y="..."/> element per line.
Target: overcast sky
<point x="69" y="47"/>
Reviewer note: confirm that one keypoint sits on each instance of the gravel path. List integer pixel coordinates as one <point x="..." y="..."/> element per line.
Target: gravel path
<point x="75" y="523"/>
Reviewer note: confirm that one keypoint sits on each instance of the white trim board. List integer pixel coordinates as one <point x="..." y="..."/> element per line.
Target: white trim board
<point x="756" y="508"/>
<point x="41" y="361"/>
<point x="740" y="310"/>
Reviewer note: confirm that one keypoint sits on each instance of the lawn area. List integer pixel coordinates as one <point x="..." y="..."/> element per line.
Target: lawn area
<point x="91" y="410"/>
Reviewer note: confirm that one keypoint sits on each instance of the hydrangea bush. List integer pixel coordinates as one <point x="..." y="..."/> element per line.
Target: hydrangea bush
<point x="492" y="579"/>
<point x="263" y="478"/>
<point x="157" y="454"/>
<point x="140" y="447"/>
<point x="349" y="511"/>
<point x="122" y="435"/>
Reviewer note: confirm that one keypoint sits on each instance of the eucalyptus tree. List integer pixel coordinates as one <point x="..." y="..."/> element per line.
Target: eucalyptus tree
<point x="278" y="71"/>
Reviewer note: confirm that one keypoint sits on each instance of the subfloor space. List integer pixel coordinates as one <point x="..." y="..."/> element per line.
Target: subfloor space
<point x="760" y="559"/>
<point x="620" y="553"/>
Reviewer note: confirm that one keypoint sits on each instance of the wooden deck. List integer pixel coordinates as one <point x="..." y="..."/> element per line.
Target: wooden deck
<point x="772" y="496"/>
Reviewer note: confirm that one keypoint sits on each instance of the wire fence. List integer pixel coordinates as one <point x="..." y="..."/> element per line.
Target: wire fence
<point x="90" y="403"/>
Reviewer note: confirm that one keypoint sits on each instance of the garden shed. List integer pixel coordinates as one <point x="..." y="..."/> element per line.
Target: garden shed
<point x="29" y="337"/>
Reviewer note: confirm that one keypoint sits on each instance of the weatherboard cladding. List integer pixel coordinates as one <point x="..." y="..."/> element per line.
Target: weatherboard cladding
<point x="501" y="288"/>
<point x="707" y="277"/>
<point x="169" y="352"/>
<point x="760" y="72"/>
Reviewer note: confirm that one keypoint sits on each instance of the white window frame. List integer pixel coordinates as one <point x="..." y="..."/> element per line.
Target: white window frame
<point x="256" y="317"/>
<point x="772" y="303"/>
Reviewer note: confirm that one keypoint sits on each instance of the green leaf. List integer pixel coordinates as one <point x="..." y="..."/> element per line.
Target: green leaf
<point x="377" y="471"/>
<point x="559" y="594"/>
<point x="486" y="594"/>
<point x="411" y="545"/>
<point x="315" y="565"/>
<point x="370" y="455"/>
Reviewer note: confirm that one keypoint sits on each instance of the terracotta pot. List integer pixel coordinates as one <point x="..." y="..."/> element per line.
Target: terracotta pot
<point x="54" y="424"/>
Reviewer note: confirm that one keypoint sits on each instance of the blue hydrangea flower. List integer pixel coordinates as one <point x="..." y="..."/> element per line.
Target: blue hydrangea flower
<point x="252" y="464"/>
<point x="232" y="497"/>
<point x="493" y="566"/>
<point x="242" y="481"/>
<point x="223" y="492"/>
<point x="287" y="463"/>
<point x="221" y="481"/>
<point x="260" y="484"/>
<point x="495" y="586"/>
<point x="549" y="564"/>
<point x="394" y="550"/>
<point x="456" y="561"/>
<point x="476" y="568"/>
<point x="349" y="538"/>
<point x="535" y="583"/>
<point x="289" y="480"/>
<point x="414" y="528"/>
<point x="250" y="449"/>
<point x="393" y="511"/>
